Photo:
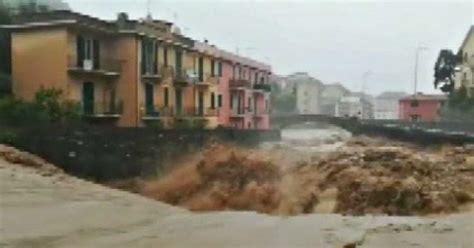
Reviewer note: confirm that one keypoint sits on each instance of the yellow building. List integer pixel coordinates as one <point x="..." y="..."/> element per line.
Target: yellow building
<point x="128" y="72"/>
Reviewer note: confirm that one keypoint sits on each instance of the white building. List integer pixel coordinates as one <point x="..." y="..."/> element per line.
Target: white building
<point x="308" y="93"/>
<point x="354" y="106"/>
<point x="331" y="94"/>
<point x="386" y="105"/>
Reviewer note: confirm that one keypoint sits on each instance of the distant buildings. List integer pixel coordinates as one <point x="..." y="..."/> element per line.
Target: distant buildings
<point x="330" y="96"/>
<point x="354" y="106"/>
<point x="308" y="93"/>
<point x="421" y="107"/>
<point x="386" y="106"/>
<point x="465" y="75"/>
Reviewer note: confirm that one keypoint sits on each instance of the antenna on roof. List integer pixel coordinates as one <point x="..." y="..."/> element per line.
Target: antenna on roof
<point x="148" y="12"/>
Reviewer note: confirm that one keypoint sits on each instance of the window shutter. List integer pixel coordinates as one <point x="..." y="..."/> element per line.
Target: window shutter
<point x="213" y="100"/>
<point x="219" y="101"/>
<point x="80" y="51"/>
<point x="96" y="51"/>
<point x="155" y="59"/>
<point x="220" y="68"/>
<point x="213" y="69"/>
<point x="143" y="57"/>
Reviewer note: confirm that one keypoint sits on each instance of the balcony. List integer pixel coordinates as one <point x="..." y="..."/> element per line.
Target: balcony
<point x="157" y="112"/>
<point x="262" y="88"/>
<point x="184" y="78"/>
<point x="208" y="80"/>
<point x="102" y="109"/>
<point x="259" y="113"/>
<point x="237" y="112"/>
<point x="108" y="67"/>
<point x="192" y="112"/>
<point x="150" y="73"/>
<point x="239" y="84"/>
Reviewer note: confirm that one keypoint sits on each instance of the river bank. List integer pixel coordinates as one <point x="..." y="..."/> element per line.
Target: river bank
<point x="56" y="210"/>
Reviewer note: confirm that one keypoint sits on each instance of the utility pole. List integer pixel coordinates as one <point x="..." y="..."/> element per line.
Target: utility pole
<point x="417" y="55"/>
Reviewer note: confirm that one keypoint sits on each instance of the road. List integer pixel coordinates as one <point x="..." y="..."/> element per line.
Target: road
<point x="62" y="211"/>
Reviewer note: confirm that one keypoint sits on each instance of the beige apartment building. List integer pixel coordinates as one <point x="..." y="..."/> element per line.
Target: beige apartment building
<point x="465" y="75"/>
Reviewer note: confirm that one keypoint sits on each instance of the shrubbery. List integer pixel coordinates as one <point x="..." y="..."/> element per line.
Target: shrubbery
<point x="46" y="107"/>
<point x="459" y="107"/>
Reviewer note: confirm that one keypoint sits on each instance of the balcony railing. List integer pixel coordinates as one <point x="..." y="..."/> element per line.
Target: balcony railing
<point x="264" y="87"/>
<point x="149" y="71"/>
<point x="197" y="112"/>
<point x="156" y="111"/>
<point x="237" y="112"/>
<point x="184" y="77"/>
<point x="240" y="83"/>
<point x="107" y="66"/>
<point x="260" y="112"/>
<point x="102" y="108"/>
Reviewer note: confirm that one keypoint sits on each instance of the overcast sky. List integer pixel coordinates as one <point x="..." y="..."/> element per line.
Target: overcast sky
<point x="333" y="41"/>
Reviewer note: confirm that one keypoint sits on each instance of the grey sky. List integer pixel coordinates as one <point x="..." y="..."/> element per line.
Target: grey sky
<point x="333" y="41"/>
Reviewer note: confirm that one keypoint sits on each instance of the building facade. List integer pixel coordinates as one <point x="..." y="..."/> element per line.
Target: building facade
<point x="354" y="106"/>
<point x="131" y="72"/>
<point x="465" y="75"/>
<point x="330" y="96"/>
<point x="308" y="93"/>
<point x="386" y="105"/>
<point x="421" y="107"/>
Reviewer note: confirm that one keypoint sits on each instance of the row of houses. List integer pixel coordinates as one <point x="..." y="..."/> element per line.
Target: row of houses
<point x="134" y="73"/>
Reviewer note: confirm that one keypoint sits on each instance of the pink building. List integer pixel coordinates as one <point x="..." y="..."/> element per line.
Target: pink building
<point x="421" y="107"/>
<point x="245" y="91"/>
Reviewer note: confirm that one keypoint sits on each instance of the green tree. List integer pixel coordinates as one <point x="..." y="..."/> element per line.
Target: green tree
<point x="444" y="70"/>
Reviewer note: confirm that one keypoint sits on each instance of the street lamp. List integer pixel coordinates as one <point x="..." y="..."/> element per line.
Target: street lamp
<point x="418" y="50"/>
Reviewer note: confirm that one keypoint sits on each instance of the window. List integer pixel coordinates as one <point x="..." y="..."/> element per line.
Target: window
<point x="256" y="77"/>
<point x="213" y="100"/>
<point x="149" y="56"/>
<point x="220" y="68"/>
<point x="219" y="101"/>
<point x="213" y="69"/>
<point x="166" y="96"/>
<point x="414" y="103"/>
<point x="87" y="50"/>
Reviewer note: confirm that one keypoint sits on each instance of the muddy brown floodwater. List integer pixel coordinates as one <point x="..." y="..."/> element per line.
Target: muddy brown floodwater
<point x="320" y="170"/>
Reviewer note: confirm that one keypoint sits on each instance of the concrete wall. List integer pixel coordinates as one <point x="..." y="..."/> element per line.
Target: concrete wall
<point x="107" y="153"/>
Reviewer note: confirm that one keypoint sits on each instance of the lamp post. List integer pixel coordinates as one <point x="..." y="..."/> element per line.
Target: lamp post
<point x="418" y="50"/>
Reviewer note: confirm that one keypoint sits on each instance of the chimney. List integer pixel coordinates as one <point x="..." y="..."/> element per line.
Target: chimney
<point x="122" y="19"/>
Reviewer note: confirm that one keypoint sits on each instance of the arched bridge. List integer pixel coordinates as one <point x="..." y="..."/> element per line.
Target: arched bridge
<point x="419" y="132"/>
<point x="285" y="120"/>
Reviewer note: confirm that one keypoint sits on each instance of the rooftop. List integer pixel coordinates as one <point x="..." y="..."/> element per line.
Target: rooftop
<point x="422" y="97"/>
